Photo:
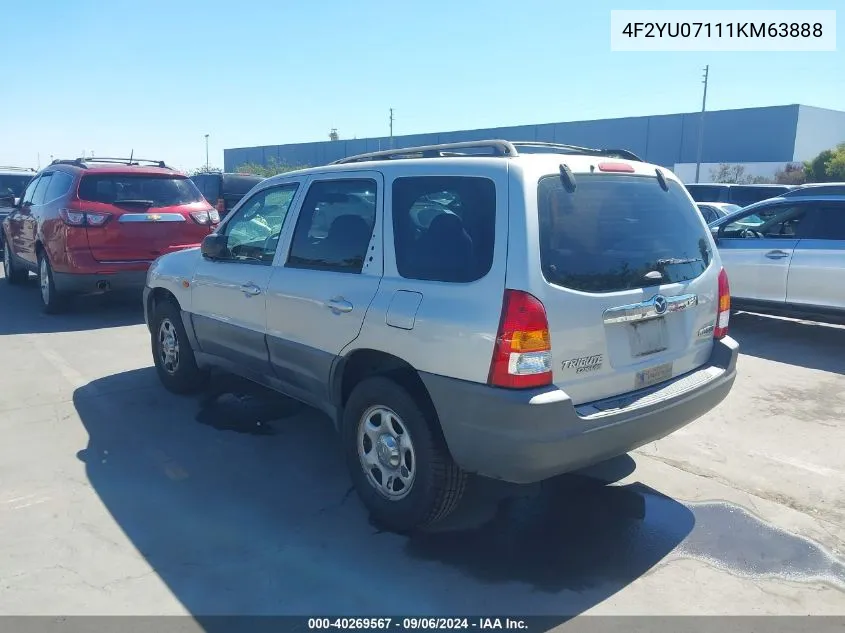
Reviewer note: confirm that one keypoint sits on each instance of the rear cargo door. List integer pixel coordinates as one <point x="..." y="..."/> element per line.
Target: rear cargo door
<point x="146" y="215"/>
<point x="630" y="283"/>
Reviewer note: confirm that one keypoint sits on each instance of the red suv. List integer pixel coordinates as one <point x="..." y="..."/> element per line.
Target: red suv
<point x="94" y="225"/>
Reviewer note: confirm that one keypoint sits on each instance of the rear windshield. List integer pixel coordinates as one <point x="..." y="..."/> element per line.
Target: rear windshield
<point x="156" y="191"/>
<point x="13" y="185"/>
<point x="708" y="193"/>
<point x="614" y="230"/>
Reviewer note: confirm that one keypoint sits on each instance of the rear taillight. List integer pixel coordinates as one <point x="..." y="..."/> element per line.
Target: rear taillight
<point x="83" y="218"/>
<point x="206" y="217"/>
<point x="723" y="312"/>
<point x="522" y="356"/>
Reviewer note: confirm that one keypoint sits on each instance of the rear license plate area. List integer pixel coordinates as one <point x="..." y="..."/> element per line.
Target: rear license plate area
<point x="653" y="375"/>
<point x="648" y="337"/>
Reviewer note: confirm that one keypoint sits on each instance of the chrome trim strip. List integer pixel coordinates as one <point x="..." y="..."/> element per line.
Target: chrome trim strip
<point x="152" y="217"/>
<point x="649" y="309"/>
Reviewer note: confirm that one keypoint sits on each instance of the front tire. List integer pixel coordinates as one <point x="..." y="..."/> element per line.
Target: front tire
<point x="399" y="465"/>
<point x="51" y="300"/>
<point x="14" y="275"/>
<point x="174" y="358"/>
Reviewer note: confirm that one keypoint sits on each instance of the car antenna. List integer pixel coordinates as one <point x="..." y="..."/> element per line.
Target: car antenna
<point x="131" y="154"/>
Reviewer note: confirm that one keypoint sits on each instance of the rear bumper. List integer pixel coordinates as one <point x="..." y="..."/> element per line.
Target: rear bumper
<point x="72" y="283"/>
<point x="532" y="435"/>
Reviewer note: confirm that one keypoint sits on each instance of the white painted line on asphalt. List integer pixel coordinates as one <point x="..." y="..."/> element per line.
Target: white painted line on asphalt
<point x="824" y="471"/>
<point x="30" y="504"/>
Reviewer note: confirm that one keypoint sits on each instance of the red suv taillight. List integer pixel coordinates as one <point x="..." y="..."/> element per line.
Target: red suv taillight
<point x="723" y="312"/>
<point x="206" y="217"/>
<point x="523" y="353"/>
<point x="71" y="217"/>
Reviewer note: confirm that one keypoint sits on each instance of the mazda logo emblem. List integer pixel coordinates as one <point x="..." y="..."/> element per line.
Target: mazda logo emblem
<point x="660" y="304"/>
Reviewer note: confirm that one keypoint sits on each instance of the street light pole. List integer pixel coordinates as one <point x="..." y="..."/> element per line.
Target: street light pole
<point x="701" y="122"/>
<point x="206" y="152"/>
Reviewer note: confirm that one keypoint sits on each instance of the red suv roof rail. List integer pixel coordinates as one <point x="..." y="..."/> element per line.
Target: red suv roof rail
<point x="129" y="162"/>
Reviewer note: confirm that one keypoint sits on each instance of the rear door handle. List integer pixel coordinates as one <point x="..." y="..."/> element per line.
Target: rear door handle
<point x="250" y="289"/>
<point x="777" y="254"/>
<point x="339" y="305"/>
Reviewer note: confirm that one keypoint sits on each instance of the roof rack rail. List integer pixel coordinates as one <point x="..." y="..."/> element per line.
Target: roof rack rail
<point x="13" y="168"/>
<point x="494" y="148"/>
<point x="83" y="162"/>
<point x="577" y="149"/>
<point x="499" y="148"/>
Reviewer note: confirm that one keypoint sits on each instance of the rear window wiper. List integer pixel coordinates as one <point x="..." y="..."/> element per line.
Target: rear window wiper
<point x="146" y="203"/>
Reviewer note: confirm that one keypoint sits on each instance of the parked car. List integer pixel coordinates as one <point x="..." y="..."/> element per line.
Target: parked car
<point x="787" y="256"/>
<point x="13" y="181"/>
<point x="517" y="316"/>
<point x="712" y="211"/>
<point x="224" y="191"/>
<point x="817" y="189"/>
<point x="94" y="225"/>
<point x="741" y="195"/>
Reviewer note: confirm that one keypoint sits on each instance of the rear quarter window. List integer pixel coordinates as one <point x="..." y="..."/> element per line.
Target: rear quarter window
<point x="612" y="231"/>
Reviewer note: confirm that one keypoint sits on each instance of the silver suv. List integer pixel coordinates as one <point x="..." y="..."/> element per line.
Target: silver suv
<point x="514" y="310"/>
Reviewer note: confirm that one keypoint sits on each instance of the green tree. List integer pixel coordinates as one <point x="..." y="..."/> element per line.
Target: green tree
<point x="816" y="169"/>
<point x="835" y="167"/>
<point x="270" y="168"/>
<point x="204" y="170"/>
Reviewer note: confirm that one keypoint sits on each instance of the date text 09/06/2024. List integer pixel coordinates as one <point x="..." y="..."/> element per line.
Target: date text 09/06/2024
<point x="418" y="624"/>
<point x="724" y="29"/>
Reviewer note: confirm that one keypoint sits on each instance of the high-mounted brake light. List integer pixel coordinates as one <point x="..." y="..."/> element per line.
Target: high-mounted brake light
<point x="83" y="218"/>
<point x="617" y="167"/>
<point x="723" y="313"/>
<point x="522" y="356"/>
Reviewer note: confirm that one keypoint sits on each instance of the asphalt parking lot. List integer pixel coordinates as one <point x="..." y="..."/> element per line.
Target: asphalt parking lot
<point x="119" y="498"/>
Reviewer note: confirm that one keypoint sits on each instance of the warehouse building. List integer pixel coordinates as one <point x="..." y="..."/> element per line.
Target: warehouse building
<point x="763" y="140"/>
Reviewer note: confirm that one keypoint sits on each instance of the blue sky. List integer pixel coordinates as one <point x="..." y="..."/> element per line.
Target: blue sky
<point x="156" y="76"/>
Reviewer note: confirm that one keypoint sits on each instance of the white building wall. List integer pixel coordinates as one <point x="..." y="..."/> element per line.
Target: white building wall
<point x="686" y="171"/>
<point x="818" y="129"/>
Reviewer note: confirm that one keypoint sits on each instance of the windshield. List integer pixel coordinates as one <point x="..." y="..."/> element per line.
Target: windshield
<point x="13" y="186"/>
<point x="612" y="231"/>
<point x="154" y="191"/>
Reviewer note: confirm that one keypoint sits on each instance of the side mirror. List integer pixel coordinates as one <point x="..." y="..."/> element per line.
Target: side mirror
<point x="215" y="246"/>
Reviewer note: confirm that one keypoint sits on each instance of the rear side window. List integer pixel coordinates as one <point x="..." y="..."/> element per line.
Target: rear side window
<point x="335" y="226"/>
<point x="444" y="227"/>
<point x="828" y="222"/>
<point x="155" y="191"/>
<point x="59" y="185"/>
<point x="612" y="231"/>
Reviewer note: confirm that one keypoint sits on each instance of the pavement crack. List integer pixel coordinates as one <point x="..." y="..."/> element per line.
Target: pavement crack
<point x="337" y="505"/>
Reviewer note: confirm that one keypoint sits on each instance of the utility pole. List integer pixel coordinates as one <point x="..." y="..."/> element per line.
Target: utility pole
<point x="701" y="122"/>
<point x="206" y="153"/>
<point x="391" y="128"/>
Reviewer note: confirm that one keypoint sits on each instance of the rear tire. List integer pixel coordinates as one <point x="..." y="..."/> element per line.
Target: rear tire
<point x="14" y="275"/>
<point x="174" y="358"/>
<point x="51" y="300"/>
<point x="385" y="431"/>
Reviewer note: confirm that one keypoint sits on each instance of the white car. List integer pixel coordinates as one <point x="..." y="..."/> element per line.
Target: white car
<point x="462" y="308"/>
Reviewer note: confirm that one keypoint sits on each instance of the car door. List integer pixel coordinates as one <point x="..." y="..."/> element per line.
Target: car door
<point x="756" y="248"/>
<point x="31" y="220"/>
<point x="229" y="299"/>
<point x="18" y="217"/>
<point x="320" y="292"/>
<point x="817" y="269"/>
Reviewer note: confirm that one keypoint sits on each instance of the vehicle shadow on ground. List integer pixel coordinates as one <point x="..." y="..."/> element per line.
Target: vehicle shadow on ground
<point x="241" y="503"/>
<point x="21" y="311"/>
<point x="804" y="343"/>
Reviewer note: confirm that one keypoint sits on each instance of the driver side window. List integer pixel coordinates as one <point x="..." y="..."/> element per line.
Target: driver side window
<point x="775" y="222"/>
<point x="253" y="232"/>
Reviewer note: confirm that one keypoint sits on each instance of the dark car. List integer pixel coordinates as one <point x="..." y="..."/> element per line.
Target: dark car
<point x="816" y="189"/>
<point x="224" y="191"/>
<point x="13" y="182"/>
<point x="741" y="195"/>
